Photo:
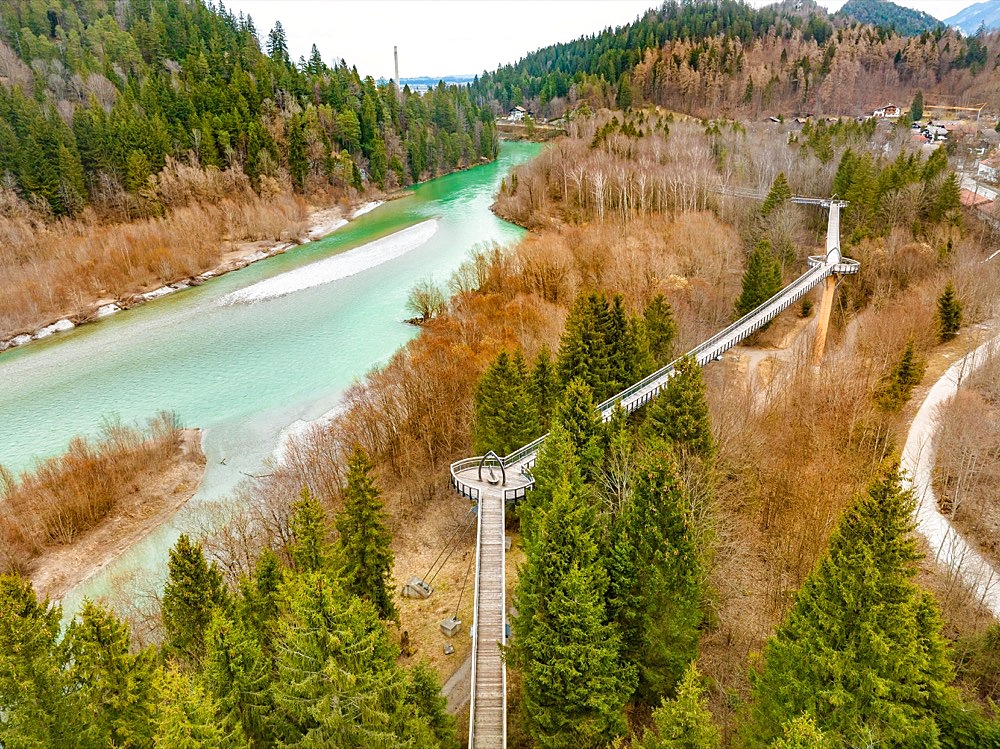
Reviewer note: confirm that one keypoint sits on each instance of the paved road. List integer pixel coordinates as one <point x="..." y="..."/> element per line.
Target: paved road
<point x="918" y="461"/>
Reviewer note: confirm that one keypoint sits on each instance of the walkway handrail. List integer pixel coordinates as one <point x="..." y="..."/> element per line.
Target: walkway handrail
<point x="702" y="353"/>
<point x="475" y="630"/>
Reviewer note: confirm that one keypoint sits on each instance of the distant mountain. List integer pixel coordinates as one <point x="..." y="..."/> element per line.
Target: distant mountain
<point x="431" y="81"/>
<point x="970" y="19"/>
<point x="888" y="15"/>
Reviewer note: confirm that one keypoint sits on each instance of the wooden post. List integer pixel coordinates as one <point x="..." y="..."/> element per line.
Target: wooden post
<point x="823" y="318"/>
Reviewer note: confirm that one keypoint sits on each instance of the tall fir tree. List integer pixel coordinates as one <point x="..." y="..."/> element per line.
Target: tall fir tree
<point x="584" y="353"/>
<point x="544" y="388"/>
<point x="656" y="598"/>
<point x="680" y="411"/>
<point x="949" y="313"/>
<point x="258" y="603"/>
<point x="661" y="329"/>
<point x="685" y="721"/>
<point x="574" y="684"/>
<point x="310" y="550"/>
<point x="896" y="386"/>
<point x="761" y="279"/>
<point x="194" y="589"/>
<point x="578" y="415"/>
<point x="431" y="707"/>
<point x="776" y="197"/>
<point x="33" y="709"/>
<point x="187" y="716"/>
<point x="365" y="545"/>
<point x="861" y="650"/>
<point x="801" y="733"/>
<point x="111" y="689"/>
<point x="505" y="414"/>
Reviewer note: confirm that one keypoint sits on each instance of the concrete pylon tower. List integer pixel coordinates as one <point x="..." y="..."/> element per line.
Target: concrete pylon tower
<point x="395" y="56"/>
<point x="829" y="283"/>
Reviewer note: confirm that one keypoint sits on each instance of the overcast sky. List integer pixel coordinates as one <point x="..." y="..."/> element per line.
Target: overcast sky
<point x="455" y="37"/>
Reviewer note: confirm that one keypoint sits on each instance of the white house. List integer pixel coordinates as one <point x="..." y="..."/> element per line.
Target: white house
<point x="889" y="111"/>
<point x="517" y="113"/>
<point x="989" y="169"/>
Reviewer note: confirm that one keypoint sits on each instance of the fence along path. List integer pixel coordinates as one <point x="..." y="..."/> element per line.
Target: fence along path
<point x="492" y="481"/>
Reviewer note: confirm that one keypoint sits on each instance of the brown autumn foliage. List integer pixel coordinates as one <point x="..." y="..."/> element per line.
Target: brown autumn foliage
<point x="50" y="269"/>
<point x="64" y="496"/>
<point x="789" y="459"/>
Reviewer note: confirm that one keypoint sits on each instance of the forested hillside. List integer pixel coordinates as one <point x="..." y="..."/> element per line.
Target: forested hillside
<point x="98" y="96"/>
<point x="889" y="15"/>
<point x="722" y="56"/>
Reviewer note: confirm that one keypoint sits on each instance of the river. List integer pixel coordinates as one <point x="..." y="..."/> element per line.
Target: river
<point x="249" y="354"/>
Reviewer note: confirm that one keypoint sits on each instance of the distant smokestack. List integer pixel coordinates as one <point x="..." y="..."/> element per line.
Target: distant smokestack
<point x="395" y="55"/>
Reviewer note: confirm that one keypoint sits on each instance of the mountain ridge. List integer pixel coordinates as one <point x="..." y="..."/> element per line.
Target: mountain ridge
<point x="970" y="19"/>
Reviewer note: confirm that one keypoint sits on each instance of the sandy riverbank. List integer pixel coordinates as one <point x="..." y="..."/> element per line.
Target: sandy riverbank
<point x="321" y="222"/>
<point x="59" y="569"/>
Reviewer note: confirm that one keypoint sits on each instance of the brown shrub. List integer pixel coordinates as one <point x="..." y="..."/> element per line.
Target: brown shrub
<point x="63" y="496"/>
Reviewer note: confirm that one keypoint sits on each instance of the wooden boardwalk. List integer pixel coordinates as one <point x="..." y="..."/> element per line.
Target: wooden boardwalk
<point x="478" y="479"/>
<point x="488" y="721"/>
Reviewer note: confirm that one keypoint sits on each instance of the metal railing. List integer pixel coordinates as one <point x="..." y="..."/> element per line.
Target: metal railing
<point x="475" y="630"/>
<point x="643" y="391"/>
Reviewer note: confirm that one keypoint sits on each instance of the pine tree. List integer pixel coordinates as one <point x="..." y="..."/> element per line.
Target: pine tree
<point x="298" y="161"/>
<point x="186" y="716"/>
<point x="949" y="313"/>
<point x="337" y="679"/>
<point x="761" y="280"/>
<point x="310" y="551"/>
<point x="33" y="708"/>
<point x="578" y="415"/>
<point x="574" y="684"/>
<point x="861" y="651"/>
<point x="111" y="689"/>
<point x="193" y="590"/>
<point x="897" y="385"/>
<point x="779" y="193"/>
<point x="661" y="329"/>
<point x="917" y="107"/>
<point x="623" y="97"/>
<point x="505" y="416"/>
<point x="680" y="411"/>
<point x="544" y="389"/>
<point x="259" y="596"/>
<point x="277" y="43"/>
<point x="801" y="733"/>
<point x="583" y="348"/>
<point x="237" y="674"/>
<point x="364" y="547"/>
<point x="424" y="693"/>
<point x="684" y="722"/>
<point x="947" y="200"/>
<point x="657" y="601"/>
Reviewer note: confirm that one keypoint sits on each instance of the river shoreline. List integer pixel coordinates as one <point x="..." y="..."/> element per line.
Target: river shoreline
<point x="322" y="221"/>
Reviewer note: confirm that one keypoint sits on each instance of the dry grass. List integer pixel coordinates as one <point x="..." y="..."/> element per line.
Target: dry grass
<point x="52" y="269"/>
<point x="62" y="497"/>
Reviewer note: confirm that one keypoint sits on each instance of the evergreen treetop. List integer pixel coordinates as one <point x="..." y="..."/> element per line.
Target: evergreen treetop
<point x="949" y="313"/>
<point x="680" y="413"/>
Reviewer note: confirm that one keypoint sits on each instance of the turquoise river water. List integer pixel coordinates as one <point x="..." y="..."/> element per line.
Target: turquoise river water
<point x="248" y="354"/>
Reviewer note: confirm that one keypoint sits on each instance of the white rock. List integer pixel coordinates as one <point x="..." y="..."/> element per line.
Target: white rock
<point x="108" y="309"/>
<point x="155" y="293"/>
<point x="20" y="340"/>
<point x="56" y="327"/>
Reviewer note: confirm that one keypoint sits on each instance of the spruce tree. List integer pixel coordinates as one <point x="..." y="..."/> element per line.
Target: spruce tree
<point x="661" y="329"/>
<point x="237" y="674"/>
<point x="33" y="708"/>
<point x="679" y="413"/>
<point x="337" y="679"/>
<point x="186" y="716"/>
<point x="544" y="388"/>
<point x="194" y="589"/>
<point x="801" y="733"/>
<point x="917" y="107"/>
<point x="578" y="415"/>
<point x="111" y="688"/>
<point x="949" y="313"/>
<point x="424" y="694"/>
<point x="505" y="415"/>
<point x="259" y="596"/>
<point x="310" y="551"/>
<point x="861" y="650"/>
<point x="583" y="348"/>
<point x="574" y="685"/>
<point x="897" y="385"/>
<point x="761" y="279"/>
<point x="656" y="599"/>
<point x="683" y="722"/>
<point x="779" y="193"/>
<point x="364" y="547"/>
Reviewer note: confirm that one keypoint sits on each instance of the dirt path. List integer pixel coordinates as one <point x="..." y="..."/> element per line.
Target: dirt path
<point x="947" y="545"/>
<point x="61" y="568"/>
